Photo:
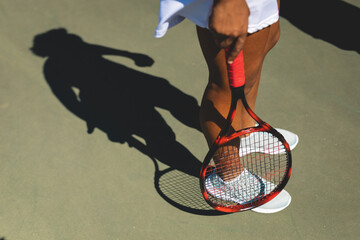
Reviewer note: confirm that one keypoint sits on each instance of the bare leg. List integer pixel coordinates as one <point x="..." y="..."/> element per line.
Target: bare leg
<point x="217" y="96"/>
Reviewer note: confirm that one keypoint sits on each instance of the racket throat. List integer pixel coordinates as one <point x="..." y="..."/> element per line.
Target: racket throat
<point x="239" y="93"/>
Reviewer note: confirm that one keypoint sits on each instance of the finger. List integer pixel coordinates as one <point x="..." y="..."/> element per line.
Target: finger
<point x="222" y="40"/>
<point x="226" y="43"/>
<point x="235" y="49"/>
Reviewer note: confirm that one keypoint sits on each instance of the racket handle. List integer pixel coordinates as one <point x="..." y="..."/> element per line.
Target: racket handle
<point x="236" y="71"/>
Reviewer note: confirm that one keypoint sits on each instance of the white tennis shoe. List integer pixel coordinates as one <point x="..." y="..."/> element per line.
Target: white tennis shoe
<point x="283" y="200"/>
<point x="238" y="190"/>
<point x="255" y="143"/>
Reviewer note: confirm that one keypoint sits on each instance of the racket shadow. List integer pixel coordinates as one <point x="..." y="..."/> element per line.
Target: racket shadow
<point x="178" y="188"/>
<point x="182" y="191"/>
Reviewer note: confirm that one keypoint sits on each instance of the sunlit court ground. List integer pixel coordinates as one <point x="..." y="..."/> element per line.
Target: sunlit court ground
<point x="71" y="172"/>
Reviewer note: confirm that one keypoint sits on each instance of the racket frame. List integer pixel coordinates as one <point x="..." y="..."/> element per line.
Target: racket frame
<point x="224" y="137"/>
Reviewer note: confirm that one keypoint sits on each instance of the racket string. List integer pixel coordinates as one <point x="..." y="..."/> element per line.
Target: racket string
<point x="247" y="173"/>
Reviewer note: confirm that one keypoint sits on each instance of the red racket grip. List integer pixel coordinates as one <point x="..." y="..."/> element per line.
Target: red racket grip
<point x="236" y="71"/>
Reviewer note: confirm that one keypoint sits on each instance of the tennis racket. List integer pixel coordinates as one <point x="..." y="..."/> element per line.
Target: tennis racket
<point x="246" y="168"/>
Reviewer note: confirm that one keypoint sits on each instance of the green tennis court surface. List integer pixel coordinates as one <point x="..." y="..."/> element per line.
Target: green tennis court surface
<point x="60" y="182"/>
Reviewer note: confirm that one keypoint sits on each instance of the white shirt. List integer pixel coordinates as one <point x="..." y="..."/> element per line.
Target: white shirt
<point x="263" y="13"/>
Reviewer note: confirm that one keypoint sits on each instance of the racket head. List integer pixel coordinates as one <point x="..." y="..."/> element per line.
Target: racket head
<point x="245" y="169"/>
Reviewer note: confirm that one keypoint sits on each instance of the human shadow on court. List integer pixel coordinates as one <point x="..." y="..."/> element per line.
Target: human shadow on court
<point x="122" y="103"/>
<point x="116" y="99"/>
<point x="333" y="21"/>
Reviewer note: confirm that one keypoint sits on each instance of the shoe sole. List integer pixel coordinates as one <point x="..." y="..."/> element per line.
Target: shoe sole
<point x="279" y="203"/>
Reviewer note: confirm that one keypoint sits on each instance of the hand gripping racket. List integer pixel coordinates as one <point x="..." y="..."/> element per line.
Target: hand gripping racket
<point x="246" y="168"/>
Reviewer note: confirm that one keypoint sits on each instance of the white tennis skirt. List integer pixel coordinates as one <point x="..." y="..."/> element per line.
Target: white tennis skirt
<point x="263" y="13"/>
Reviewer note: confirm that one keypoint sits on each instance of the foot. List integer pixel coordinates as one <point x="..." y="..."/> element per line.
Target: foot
<point x="283" y="200"/>
<point x="254" y="143"/>
<point x="238" y="190"/>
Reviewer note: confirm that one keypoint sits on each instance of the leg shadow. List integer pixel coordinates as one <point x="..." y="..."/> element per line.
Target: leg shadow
<point x="332" y="21"/>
